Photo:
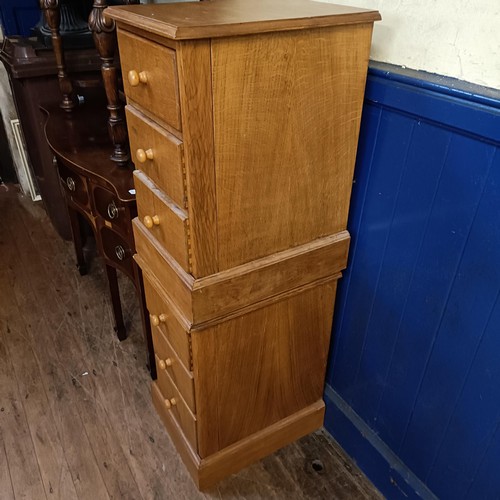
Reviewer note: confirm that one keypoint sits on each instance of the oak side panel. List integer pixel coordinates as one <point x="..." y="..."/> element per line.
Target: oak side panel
<point x="195" y="89"/>
<point x="287" y="109"/>
<point x="261" y="367"/>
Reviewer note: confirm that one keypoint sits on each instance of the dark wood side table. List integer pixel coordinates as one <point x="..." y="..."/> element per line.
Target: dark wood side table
<point x="99" y="191"/>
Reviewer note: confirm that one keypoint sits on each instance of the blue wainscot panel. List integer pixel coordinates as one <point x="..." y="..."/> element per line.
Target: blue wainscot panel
<point x="17" y="17"/>
<point x="413" y="385"/>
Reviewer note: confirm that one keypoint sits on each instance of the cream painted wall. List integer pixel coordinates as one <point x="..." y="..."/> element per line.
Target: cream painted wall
<point x="458" y="38"/>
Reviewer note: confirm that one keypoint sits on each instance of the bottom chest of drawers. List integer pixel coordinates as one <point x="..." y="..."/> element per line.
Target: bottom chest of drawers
<point x="242" y="383"/>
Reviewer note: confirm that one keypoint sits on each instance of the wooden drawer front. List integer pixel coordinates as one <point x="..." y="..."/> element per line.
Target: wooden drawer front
<point x="171" y="329"/>
<point x="156" y="64"/>
<point x="176" y="405"/>
<point x="170" y="363"/>
<point x="74" y="185"/>
<point x="110" y="208"/>
<point x="116" y="249"/>
<point x="165" y="166"/>
<point x="163" y="218"/>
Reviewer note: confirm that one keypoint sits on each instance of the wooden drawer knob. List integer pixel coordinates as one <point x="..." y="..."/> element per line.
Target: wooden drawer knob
<point x="149" y="221"/>
<point x="170" y="402"/>
<point x="156" y="320"/>
<point x="142" y="155"/>
<point x="134" y="77"/>
<point x="164" y="363"/>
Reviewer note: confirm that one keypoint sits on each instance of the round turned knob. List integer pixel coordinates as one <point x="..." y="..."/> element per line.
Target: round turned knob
<point x="142" y="155"/>
<point x="168" y="404"/>
<point x="134" y="77"/>
<point x="70" y="183"/>
<point x="164" y="363"/>
<point x="173" y="401"/>
<point x="149" y="221"/>
<point x="155" y="320"/>
<point x="163" y="318"/>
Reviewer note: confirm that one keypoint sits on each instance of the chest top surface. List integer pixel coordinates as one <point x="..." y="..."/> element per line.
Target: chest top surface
<point x="220" y="18"/>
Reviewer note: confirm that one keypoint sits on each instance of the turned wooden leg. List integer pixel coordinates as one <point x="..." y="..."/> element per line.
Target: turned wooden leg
<point x="116" y="302"/>
<point x="146" y="324"/>
<point x="78" y="240"/>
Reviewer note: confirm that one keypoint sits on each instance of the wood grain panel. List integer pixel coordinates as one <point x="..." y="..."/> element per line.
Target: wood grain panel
<point x="165" y="169"/>
<point x="287" y="108"/>
<point x="194" y="63"/>
<point x="160" y="95"/>
<point x="284" y="347"/>
<point x="172" y="230"/>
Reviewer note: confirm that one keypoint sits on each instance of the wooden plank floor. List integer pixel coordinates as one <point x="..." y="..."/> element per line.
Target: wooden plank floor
<point x="76" y="418"/>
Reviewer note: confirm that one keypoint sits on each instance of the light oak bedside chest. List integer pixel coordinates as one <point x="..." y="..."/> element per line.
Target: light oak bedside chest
<point x="244" y="119"/>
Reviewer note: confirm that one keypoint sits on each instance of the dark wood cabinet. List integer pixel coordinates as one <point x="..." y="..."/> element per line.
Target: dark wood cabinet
<point x="33" y="77"/>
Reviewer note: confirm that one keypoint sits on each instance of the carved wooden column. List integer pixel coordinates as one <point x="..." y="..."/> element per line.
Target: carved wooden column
<point x="104" y="33"/>
<point x="52" y="13"/>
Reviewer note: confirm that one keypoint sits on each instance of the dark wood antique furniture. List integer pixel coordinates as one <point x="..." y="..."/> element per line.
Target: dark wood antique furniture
<point x="32" y="74"/>
<point x="86" y="131"/>
<point x="243" y="118"/>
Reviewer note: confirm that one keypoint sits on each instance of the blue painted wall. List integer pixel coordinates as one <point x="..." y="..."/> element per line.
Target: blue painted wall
<point x="413" y="385"/>
<point x="17" y="17"/>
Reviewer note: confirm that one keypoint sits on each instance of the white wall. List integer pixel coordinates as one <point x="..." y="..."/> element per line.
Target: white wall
<point x="458" y="38"/>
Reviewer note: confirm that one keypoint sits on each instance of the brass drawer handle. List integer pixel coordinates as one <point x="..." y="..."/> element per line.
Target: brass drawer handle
<point x="71" y="184"/>
<point x="164" y="363"/>
<point x="156" y="320"/>
<point x="142" y="155"/>
<point x="135" y="78"/>
<point x="120" y="252"/>
<point x="149" y="221"/>
<point x="114" y="211"/>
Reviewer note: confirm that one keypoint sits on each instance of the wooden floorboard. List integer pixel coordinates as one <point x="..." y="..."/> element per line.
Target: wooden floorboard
<point x="76" y="418"/>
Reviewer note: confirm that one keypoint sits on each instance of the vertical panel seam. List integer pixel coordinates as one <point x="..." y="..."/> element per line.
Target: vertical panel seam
<point x="414" y="270"/>
<point x="382" y="260"/>
<point x="355" y="245"/>
<point x="462" y="388"/>
<point x="445" y="306"/>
